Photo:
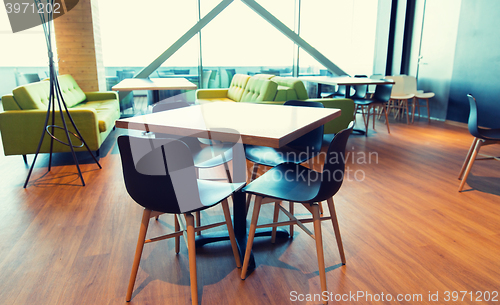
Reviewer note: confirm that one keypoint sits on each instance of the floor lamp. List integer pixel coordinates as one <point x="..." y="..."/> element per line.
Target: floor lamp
<point x="56" y="96"/>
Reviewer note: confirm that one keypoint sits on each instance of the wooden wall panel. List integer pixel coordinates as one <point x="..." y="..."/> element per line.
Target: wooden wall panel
<point x="79" y="46"/>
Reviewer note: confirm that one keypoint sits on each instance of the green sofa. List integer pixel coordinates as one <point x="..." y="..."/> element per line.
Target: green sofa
<point x="23" y="118"/>
<point x="290" y="88"/>
<point x="243" y="88"/>
<point x="271" y="89"/>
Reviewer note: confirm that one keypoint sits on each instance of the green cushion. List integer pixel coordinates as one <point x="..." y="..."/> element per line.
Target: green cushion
<point x="108" y="111"/>
<point x="36" y="95"/>
<point x="237" y="87"/>
<point x="32" y="96"/>
<point x="259" y="89"/>
<point x="72" y="93"/>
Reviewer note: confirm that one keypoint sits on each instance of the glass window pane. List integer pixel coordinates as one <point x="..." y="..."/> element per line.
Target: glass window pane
<point x="239" y="39"/>
<point x="342" y="30"/>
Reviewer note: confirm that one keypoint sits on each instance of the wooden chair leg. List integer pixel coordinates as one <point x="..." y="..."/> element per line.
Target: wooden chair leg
<point x="367" y="121"/>
<point x="197" y="219"/>
<point x="471" y="162"/>
<point x="178" y="238"/>
<point x="291" y="207"/>
<point x="251" y="235"/>
<point x="428" y="110"/>
<point x="407" y="113"/>
<point x="374" y="111"/>
<point x="336" y="229"/>
<point x="319" y="248"/>
<point x="386" y="119"/>
<point x="467" y="158"/>
<point x="228" y="173"/>
<point x="275" y="219"/>
<point x="230" y="230"/>
<point x="138" y="251"/>
<point x="255" y="169"/>
<point x="192" y="257"/>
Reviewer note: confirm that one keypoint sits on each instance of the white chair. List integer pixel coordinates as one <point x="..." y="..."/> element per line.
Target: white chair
<point x="410" y="87"/>
<point x="399" y="98"/>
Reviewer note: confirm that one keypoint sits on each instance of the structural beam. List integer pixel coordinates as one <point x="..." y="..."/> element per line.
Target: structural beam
<point x="280" y="26"/>
<point x="144" y="73"/>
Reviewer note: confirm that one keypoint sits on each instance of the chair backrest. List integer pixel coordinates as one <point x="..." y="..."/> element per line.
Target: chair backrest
<point x="410" y="84"/>
<point x="181" y="71"/>
<point x="313" y="139"/>
<point x="159" y="174"/>
<point x="383" y="93"/>
<point x="333" y="170"/>
<point x="398" y="88"/>
<point x="473" y="125"/>
<point x="206" y="78"/>
<point x="169" y="105"/>
<point x="371" y="88"/>
<point x="193" y="143"/>
<point x="360" y="90"/>
<point x="31" y="77"/>
<point x="230" y="73"/>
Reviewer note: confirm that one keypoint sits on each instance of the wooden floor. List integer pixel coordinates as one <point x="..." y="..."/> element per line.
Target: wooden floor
<point x="406" y="230"/>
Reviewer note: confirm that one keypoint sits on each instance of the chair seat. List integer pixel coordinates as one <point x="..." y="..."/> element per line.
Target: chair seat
<point x="269" y="156"/>
<point x="424" y="95"/>
<point x="287" y="181"/>
<point x="363" y="102"/>
<point x="211" y="156"/>
<point x="213" y="192"/>
<point x="402" y="96"/>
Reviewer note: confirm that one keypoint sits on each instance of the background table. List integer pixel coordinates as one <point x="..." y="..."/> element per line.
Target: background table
<point x="257" y="124"/>
<point x="154" y="84"/>
<point x="343" y="81"/>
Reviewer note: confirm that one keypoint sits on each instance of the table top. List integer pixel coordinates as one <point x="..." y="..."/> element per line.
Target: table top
<point x="346" y="81"/>
<point x="257" y="124"/>
<point x="130" y="84"/>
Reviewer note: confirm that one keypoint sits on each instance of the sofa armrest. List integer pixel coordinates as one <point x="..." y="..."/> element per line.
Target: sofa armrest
<point x="98" y="96"/>
<point x="21" y="130"/>
<point x="211" y="93"/>
<point x="345" y="105"/>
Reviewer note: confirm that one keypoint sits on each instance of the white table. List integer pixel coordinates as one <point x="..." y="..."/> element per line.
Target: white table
<point x="154" y="84"/>
<point x="257" y="124"/>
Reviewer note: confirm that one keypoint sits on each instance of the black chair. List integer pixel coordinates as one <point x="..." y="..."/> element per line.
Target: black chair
<point x="31" y="77"/>
<point x="299" y="150"/>
<point x="482" y="137"/>
<point x="295" y="183"/>
<point x="181" y="72"/>
<point x="230" y="73"/>
<point x="205" y="153"/>
<point x="380" y="98"/>
<point x="159" y="175"/>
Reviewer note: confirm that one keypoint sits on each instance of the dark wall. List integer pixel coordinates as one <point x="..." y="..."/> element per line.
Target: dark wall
<point x="476" y="68"/>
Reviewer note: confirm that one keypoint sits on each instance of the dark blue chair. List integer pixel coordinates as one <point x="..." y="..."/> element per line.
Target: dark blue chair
<point x="159" y="175"/>
<point x="299" y="150"/>
<point x="295" y="183"/>
<point x="482" y="137"/>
